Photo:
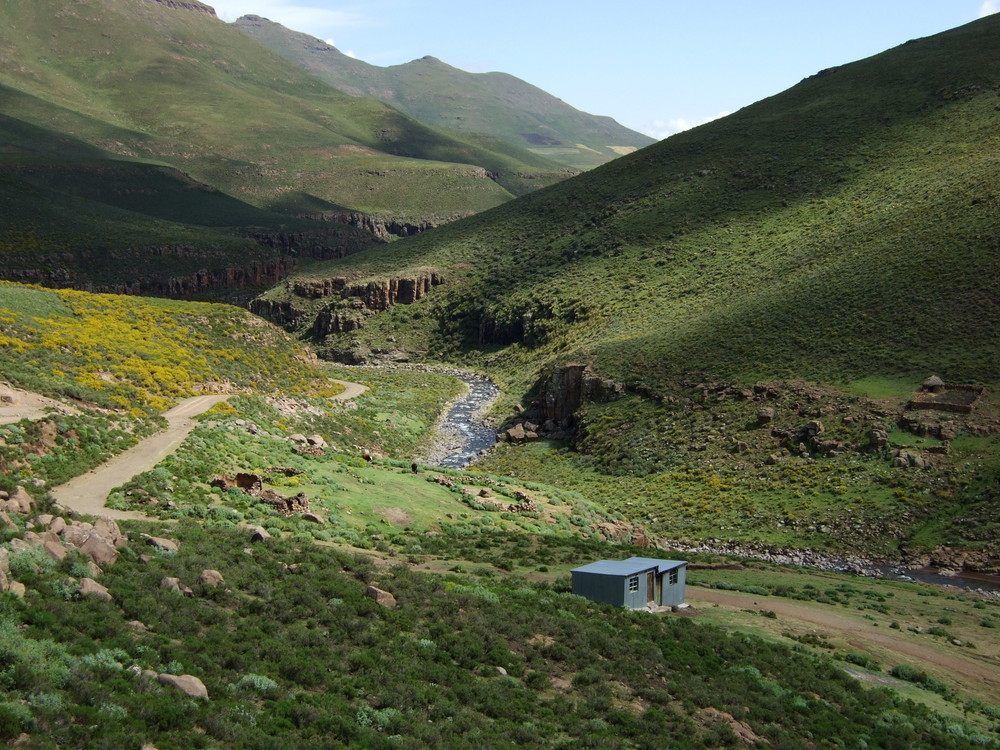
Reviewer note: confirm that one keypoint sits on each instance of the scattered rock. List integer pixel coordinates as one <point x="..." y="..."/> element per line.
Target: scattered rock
<point x="186" y="683"/>
<point x="174" y="584"/>
<point x="99" y="550"/>
<point x="211" y="578"/>
<point x="259" y="534"/>
<point x="20" y="501"/>
<point x="17" y="588"/>
<point x="765" y="416"/>
<point x="55" y="550"/>
<point x="90" y="587"/>
<point x="165" y="545"/>
<point x="383" y="598"/>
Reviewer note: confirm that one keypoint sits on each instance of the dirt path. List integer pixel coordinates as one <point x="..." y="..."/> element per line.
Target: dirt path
<point x="88" y="492"/>
<point x="351" y="390"/>
<point x="855" y="631"/>
<point x="16" y="404"/>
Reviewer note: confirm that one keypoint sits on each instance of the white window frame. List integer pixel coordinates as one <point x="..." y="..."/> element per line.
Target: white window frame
<point x="633" y="584"/>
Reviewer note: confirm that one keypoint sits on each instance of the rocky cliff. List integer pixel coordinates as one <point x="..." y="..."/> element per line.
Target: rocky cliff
<point x="351" y="302"/>
<point x="383" y="229"/>
<point x="253" y="275"/>
<point x="560" y="394"/>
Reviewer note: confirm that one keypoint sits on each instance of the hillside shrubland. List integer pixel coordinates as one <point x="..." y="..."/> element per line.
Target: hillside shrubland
<point x="839" y="235"/>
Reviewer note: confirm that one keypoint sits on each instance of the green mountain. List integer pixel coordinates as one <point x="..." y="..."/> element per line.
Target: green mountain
<point x="164" y="100"/>
<point x="494" y="104"/>
<point x="819" y="253"/>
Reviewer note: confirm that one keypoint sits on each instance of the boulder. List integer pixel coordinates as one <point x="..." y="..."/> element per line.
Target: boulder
<point x="99" y="549"/>
<point x="210" y="577"/>
<point x="6" y="522"/>
<point x="55" y="550"/>
<point x="765" y="415"/>
<point x="186" y="683"/>
<point x="20" y="501"/>
<point x="164" y="545"/>
<point x="259" y="534"/>
<point x="313" y="518"/>
<point x="316" y="441"/>
<point x="17" y="588"/>
<point x="57" y="525"/>
<point x="108" y="529"/>
<point x="382" y="598"/>
<point x="90" y="587"/>
<point x="174" y="584"/>
<point x="517" y="433"/>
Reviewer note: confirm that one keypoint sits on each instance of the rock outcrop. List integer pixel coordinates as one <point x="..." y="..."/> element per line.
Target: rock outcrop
<point x="381" y="228"/>
<point x="186" y="683"/>
<point x="351" y="302"/>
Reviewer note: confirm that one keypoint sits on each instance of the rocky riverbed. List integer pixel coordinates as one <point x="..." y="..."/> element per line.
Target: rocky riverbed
<point x="463" y="433"/>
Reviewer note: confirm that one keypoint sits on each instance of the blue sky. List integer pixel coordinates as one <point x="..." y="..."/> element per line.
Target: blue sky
<point x="656" y="66"/>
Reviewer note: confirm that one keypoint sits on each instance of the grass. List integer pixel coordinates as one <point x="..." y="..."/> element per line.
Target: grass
<point x="134" y="133"/>
<point x="834" y="240"/>
<point x="498" y="105"/>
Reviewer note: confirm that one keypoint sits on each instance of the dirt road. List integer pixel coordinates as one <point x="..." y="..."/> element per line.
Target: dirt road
<point x="88" y="492"/>
<point x="351" y="390"/>
<point x="854" y="630"/>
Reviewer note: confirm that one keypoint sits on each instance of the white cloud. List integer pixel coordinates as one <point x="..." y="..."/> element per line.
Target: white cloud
<point x="293" y="15"/>
<point x="989" y="7"/>
<point x="661" y="129"/>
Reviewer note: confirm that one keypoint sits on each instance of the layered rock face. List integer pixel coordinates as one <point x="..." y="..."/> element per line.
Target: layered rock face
<point x="552" y="414"/>
<point x="351" y="302"/>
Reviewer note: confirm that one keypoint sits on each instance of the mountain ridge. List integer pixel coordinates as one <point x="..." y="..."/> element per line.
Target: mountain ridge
<point x="442" y="95"/>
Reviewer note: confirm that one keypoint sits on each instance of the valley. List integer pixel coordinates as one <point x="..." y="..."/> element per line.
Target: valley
<point x="311" y="400"/>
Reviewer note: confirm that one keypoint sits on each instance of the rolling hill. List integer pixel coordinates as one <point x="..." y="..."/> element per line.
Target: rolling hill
<point x="476" y="104"/>
<point x="212" y="146"/>
<point x="826" y="249"/>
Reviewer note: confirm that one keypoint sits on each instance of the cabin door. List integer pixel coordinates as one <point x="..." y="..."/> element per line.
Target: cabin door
<point x="650" y="587"/>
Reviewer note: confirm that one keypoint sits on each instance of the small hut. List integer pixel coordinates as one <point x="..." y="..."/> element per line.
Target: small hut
<point x="933" y="384"/>
<point x="634" y="583"/>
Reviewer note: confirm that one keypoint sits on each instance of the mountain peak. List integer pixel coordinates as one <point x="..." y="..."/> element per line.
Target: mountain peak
<point x="187" y="5"/>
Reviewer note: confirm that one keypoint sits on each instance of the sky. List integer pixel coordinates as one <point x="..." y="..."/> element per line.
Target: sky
<point x="656" y="66"/>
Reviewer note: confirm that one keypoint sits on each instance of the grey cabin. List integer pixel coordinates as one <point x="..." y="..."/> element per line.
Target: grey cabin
<point x="634" y="583"/>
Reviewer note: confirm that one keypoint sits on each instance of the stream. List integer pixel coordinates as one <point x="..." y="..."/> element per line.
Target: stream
<point x="463" y="434"/>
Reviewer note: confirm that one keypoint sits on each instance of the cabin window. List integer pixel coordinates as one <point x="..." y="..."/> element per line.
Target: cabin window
<point x="633" y="583"/>
<point x="673" y="577"/>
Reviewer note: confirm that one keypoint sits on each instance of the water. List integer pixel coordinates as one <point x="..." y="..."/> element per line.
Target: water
<point x="463" y="433"/>
<point x="966" y="580"/>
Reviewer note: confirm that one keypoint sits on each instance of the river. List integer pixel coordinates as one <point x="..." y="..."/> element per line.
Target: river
<point x="463" y="434"/>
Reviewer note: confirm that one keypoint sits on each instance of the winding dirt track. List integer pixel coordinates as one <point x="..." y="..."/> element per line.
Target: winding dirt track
<point x="88" y="492"/>
<point x="351" y="390"/>
<point x="854" y="630"/>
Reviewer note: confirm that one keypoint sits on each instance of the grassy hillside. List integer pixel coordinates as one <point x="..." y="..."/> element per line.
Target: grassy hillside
<point x="439" y="95"/>
<point x="481" y="643"/>
<point x="841" y="233"/>
<point x="203" y="137"/>
<point x="138" y="354"/>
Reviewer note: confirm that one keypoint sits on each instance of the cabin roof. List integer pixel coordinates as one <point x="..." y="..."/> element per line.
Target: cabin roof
<point x="628" y="567"/>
